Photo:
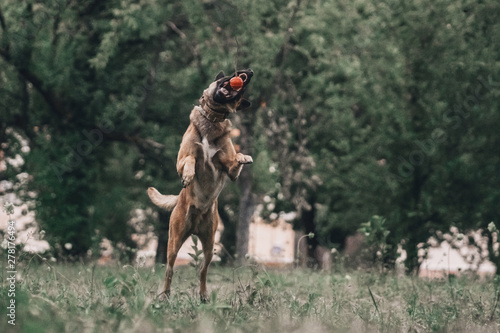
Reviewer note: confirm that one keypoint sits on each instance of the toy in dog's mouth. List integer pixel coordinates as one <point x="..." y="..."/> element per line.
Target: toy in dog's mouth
<point x="232" y="87"/>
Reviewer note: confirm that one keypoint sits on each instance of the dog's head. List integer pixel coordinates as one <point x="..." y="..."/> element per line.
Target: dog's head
<point x="221" y="97"/>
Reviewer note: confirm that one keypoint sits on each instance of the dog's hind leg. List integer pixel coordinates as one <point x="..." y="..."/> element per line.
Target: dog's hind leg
<point x="208" y="248"/>
<point x="177" y="235"/>
<point x="207" y="239"/>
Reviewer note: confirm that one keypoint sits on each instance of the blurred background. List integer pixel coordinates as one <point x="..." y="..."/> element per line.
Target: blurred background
<point x="370" y="122"/>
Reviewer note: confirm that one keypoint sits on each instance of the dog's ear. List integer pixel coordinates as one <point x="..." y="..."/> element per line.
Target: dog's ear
<point x="244" y="104"/>
<point x="219" y="76"/>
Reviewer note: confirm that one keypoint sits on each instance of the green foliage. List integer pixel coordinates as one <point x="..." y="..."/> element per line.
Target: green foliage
<point x="196" y="254"/>
<point x="375" y="232"/>
<point x="378" y="250"/>
<point x="378" y="114"/>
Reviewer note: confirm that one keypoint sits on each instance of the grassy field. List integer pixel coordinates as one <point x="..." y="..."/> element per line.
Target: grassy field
<point x="79" y="298"/>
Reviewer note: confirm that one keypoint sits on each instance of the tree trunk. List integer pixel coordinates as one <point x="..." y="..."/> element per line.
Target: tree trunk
<point x="245" y="214"/>
<point x="162" y="232"/>
<point x="228" y="237"/>
<point x="307" y="220"/>
<point x="245" y="183"/>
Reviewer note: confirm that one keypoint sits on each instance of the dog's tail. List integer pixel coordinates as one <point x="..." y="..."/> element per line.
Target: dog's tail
<point x="167" y="202"/>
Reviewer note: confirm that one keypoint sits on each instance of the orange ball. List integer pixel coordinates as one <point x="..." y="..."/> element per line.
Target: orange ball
<point x="236" y="83"/>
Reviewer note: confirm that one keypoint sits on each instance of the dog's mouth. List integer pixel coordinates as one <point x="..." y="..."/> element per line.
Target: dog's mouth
<point x="227" y="92"/>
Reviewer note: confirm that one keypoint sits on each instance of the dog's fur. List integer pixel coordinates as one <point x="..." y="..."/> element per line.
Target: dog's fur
<point x="206" y="156"/>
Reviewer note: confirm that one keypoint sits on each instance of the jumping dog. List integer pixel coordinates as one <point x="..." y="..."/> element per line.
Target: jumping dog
<point x="206" y="158"/>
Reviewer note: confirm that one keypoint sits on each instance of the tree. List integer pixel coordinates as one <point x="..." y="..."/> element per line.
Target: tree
<point x="103" y="100"/>
<point x="87" y="101"/>
<point x="358" y="110"/>
<point x="375" y="104"/>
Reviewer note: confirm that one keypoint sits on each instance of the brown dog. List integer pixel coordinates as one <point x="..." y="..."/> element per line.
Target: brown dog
<point x="205" y="157"/>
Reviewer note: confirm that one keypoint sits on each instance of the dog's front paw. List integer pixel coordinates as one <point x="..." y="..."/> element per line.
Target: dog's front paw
<point x="244" y="159"/>
<point x="187" y="178"/>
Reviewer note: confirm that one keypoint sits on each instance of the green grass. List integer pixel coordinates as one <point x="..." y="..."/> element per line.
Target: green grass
<point x="78" y="298"/>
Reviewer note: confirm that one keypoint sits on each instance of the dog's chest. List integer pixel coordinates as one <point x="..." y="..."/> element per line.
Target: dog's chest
<point x="209" y="175"/>
<point x="209" y="150"/>
<point x="210" y="171"/>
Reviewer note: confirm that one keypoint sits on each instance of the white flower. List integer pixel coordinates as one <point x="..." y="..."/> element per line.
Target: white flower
<point x="68" y="246"/>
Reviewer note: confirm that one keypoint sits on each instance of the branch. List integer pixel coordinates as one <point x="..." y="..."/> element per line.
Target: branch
<point x="176" y="30"/>
<point x="2" y="21"/>
<point x="135" y="139"/>
<point x="32" y="78"/>
<point x="148" y="143"/>
<point x="89" y="9"/>
<point x="283" y="53"/>
<point x="147" y="147"/>
<point x="37" y="84"/>
<point x="192" y="46"/>
<point x="151" y="77"/>
<point x="5" y="54"/>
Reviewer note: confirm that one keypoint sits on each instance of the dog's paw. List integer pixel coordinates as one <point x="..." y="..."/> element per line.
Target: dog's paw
<point x="163" y="297"/>
<point x="244" y="159"/>
<point x="187" y="179"/>
<point x="204" y="298"/>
